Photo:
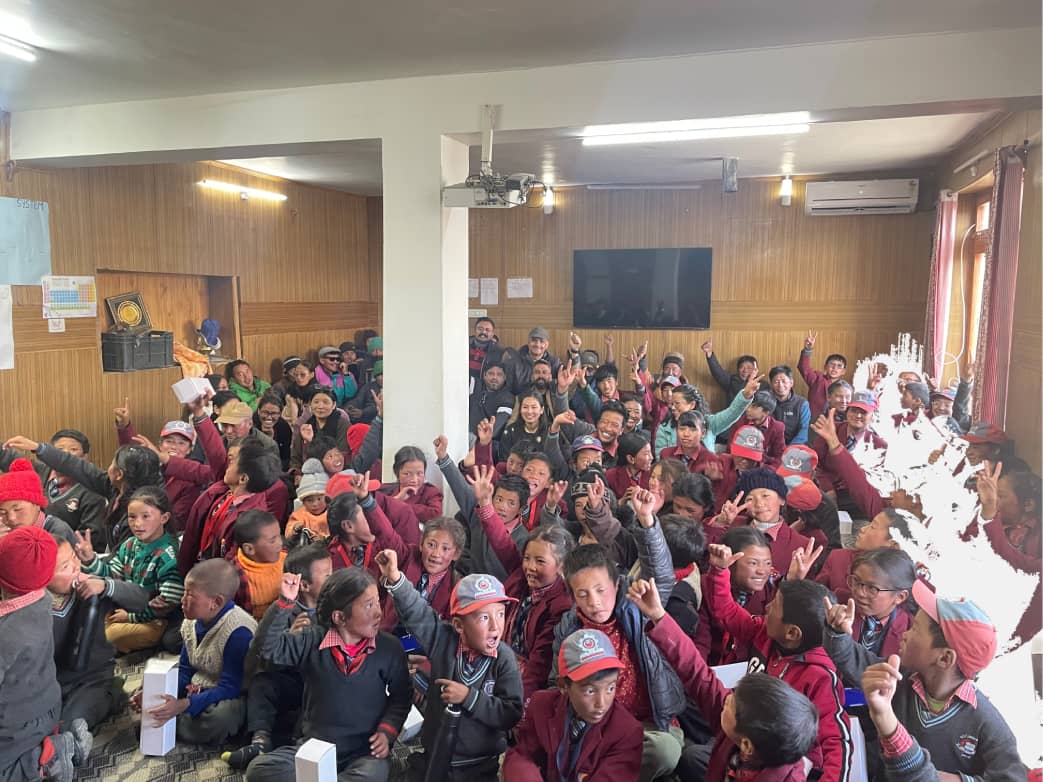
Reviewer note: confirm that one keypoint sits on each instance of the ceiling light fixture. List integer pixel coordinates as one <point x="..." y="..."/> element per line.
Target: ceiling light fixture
<point x="244" y="192"/>
<point x="786" y="192"/>
<point x="15" y="48"/>
<point x="548" y="201"/>
<point x="787" y="123"/>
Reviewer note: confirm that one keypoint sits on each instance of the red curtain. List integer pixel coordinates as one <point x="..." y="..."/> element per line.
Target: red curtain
<point x="996" y="325"/>
<point x="936" y="328"/>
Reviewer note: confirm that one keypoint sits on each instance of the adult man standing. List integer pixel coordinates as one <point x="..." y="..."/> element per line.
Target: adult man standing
<point x="483" y="350"/>
<point x="520" y="369"/>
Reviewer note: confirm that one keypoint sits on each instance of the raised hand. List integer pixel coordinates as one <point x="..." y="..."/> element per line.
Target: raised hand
<point x="567" y="376"/>
<point x="731" y="509"/>
<point x="826" y="428"/>
<point x="123" y="414"/>
<point x="707" y="347"/>
<point x="839" y="616"/>
<point x="932" y="382"/>
<point x="483" y="484"/>
<point x="290" y="587"/>
<point x="144" y="442"/>
<point x="810" y="339"/>
<point x="575" y="343"/>
<point x="307" y="433"/>
<point x="484" y="430"/>
<point x="360" y="486"/>
<point x="877" y="373"/>
<point x="879" y="683"/>
<point x="595" y="493"/>
<point x="387" y="561"/>
<point x="20" y="443"/>
<point x="721" y="557"/>
<point x="752" y="386"/>
<point x="803" y="559"/>
<point x="561" y="419"/>
<point x="643" y="502"/>
<point x="378" y="400"/>
<point x="642" y="351"/>
<point x="556" y="492"/>
<point x="645" y="596"/>
<point x="83" y="548"/>
<point x="609" y="341"/>
<point x="441" y="444"/>
<point x="197" y="407"/>
<point x="988" y="484"/>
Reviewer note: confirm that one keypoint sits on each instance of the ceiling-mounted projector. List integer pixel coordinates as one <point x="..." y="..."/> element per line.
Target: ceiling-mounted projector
<point x="489" y="191"/>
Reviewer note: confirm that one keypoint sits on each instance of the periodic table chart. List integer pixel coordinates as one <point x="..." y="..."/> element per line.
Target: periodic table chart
<point x="69" y="297"/>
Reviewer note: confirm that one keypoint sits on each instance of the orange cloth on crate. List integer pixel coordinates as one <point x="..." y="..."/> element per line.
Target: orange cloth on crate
<point x="193" y="363"/>
<point x="302" y="518"/>
<point x="264" y="578"/>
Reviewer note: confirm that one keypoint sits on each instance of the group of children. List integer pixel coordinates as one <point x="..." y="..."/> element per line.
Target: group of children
<point x="610" y="547"/>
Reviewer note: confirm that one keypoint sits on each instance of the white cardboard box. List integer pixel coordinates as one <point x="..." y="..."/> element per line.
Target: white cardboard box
<point x="729" y="674"/>
<point x="316" y="761"/>
<point x="414" y="722"/>
<point x="160" y="678"/>
<point x="189" y="389"/>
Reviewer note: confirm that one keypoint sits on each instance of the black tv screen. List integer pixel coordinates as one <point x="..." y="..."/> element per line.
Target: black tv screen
<point x="642" y="289"/>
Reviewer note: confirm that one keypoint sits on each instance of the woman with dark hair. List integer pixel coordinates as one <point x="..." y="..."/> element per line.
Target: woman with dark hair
<point x="685" y="398"/>
<point x="132" y="467"/>
<point x="411" y="486"/>
<point x="325" y="419"/>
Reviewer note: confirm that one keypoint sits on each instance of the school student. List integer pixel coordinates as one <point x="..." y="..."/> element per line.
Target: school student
<point x="472" y="667"/>
<point x="791" y="408"/>
<point x="766" y="726"/>
<point x="344" y="659"/>
<point x="259" y="559"/>
<point x="576" y="731"/>
<point x="932" y="720"/>
<point x="411" y="485"/>
<point x="787" y="643"/>
<point x="819" y="382"/>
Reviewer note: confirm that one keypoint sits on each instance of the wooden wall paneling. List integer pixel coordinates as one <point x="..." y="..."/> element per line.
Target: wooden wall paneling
<point x="175" y="302"/>
<point x="224" y="308"/>
<point x="858" y="280"/>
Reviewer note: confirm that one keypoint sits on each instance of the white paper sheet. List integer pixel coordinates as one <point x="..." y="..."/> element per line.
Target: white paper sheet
<point x="25" y="241"/>
<point x="519" y="287"/>
<point x="472" y="287"/>
<point x="6" y="329"/>
<point x="490" y="291"/>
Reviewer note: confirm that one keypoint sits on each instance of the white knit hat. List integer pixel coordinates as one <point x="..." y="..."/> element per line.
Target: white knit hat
<point x="313" y="479"/>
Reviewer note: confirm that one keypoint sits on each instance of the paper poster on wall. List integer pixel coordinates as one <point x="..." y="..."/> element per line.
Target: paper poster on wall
<point x="472" y="287"/>
<point x="490" y="291"/>
<point x="25" y="241"/>
<point x="69" y="297"/>
<point x="6" y="329"/>
<point x="519" y="287"/>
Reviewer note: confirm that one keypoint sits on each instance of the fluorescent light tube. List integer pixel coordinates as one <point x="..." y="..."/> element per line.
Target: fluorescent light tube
<point x="17" y="49"/>
<point x="696" y="135"/>
<point x="787" y="187"/>
<point x="247" y="191"/>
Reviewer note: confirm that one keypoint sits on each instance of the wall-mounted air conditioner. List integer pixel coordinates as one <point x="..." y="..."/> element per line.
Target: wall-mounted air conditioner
<point x="868" y="197"/>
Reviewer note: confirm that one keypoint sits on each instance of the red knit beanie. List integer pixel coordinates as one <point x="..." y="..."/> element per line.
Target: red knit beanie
<point x="21" y="482"/>
<point x="356" y="434"/>
<point x="27" y="557"/>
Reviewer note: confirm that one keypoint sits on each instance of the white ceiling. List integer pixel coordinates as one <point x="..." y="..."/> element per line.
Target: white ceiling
<point x="95" y="51"/>
<point x="559" y="157"/>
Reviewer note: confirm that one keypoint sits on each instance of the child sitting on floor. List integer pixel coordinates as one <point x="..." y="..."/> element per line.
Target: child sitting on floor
<point x="932" y="721"/>
<point x="576" y="732"/>
<point x="471" y="665"/>
<point x="411" y="486"/>
<point x="30" y="699"/>
<point x="259" y="559"/>
<point x="766" y="726"/>
<point x="148" y="559"/>
<point x="787" y="643"/>
<point x="274" y="694"/>
<point x="216" y="635"/>
<point x="83" y="656"/>
<point x="311" y="492"/>
<point x="344" y="659"/>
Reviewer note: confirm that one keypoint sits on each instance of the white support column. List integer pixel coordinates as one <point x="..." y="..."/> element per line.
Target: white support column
<point x="425" y="297"/>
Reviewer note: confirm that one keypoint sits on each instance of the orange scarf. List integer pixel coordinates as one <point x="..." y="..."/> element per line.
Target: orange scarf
<point x="264" y="579"/>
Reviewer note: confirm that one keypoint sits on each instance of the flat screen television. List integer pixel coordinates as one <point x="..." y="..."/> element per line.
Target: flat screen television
<point x="642" y="289"/>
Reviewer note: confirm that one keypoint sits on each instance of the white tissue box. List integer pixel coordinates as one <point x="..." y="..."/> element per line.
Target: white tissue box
<point x="729" y="674"/>
<point x="160" y="678"/>
<point x="316" y="761"/>
<point x="189" y="389"/>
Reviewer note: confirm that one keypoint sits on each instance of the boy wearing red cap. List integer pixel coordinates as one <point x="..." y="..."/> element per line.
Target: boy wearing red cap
<point x="471" y="663"/>
<point x="30" y="698"/>
<point x="933" y="722"/>
<point x="576" y="732"/>
<point x="22" y="500"/>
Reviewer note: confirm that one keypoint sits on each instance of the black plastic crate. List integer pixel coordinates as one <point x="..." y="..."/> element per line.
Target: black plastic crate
<point x="126" y="352"/>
